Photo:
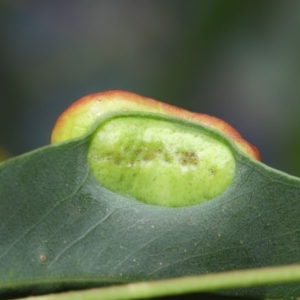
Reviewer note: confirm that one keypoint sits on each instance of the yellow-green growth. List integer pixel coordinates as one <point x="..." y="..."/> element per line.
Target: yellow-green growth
<point x="160" y="162"/>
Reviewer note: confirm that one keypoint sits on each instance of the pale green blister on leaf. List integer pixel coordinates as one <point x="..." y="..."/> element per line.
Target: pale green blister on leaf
<point x="160" y="161"/>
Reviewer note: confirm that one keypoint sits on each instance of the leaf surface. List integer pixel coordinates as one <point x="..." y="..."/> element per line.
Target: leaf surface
<point x="60" y="229"/>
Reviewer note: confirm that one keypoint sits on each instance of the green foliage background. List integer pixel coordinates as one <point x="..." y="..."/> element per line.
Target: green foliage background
<point x="238" y="60"/>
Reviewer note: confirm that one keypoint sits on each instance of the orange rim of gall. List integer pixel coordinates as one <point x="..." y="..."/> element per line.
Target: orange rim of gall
<point x="92" y="106"/>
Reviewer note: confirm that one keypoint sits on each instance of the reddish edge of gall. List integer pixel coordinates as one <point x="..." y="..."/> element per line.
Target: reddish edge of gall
<point x="159" y="107"/>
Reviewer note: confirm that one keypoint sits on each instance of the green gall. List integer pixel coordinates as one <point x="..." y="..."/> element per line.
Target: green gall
<point x="160" y="161"/>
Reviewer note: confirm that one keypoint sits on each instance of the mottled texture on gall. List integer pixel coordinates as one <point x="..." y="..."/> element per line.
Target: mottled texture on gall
<point x="160" y="162"/>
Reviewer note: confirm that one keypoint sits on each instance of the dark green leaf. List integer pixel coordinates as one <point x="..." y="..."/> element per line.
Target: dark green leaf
<point x="60" y="229"/>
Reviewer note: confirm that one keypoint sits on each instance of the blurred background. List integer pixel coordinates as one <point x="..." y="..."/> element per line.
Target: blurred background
<point x="236" y="60"/>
